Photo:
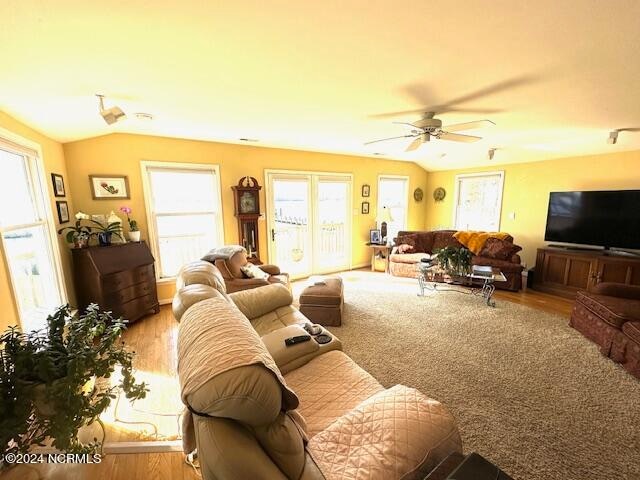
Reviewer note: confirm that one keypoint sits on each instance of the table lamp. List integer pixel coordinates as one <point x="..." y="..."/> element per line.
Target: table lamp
<point x="384" y="217"/>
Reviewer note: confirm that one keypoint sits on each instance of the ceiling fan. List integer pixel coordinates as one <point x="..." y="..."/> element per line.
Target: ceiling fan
<point x="429" y="126"/>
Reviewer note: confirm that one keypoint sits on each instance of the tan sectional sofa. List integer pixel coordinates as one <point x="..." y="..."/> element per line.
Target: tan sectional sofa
<point x="261" y="410"/>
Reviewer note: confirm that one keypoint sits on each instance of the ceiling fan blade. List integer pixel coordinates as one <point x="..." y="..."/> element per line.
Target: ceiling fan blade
<point x="457" y="127"/>
<point x="415" y="144"/>
<point x="492" y="89"/>
<point x="385" y="139"/>
<point x="457" y="137"/>
<point x="398" y="114"/>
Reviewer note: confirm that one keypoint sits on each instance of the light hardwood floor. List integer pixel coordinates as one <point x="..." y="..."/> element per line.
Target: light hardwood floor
<point x="154" y="340"/>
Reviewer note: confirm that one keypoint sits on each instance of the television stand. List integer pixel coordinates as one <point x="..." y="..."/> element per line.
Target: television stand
<point x="564" y="271"/>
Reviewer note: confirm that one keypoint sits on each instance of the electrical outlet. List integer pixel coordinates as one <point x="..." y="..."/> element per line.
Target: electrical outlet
<point x="512" y="215"/>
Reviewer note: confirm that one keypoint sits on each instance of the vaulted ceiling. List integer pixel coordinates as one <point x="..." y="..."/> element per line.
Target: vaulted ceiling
<point x="554" y="76"/>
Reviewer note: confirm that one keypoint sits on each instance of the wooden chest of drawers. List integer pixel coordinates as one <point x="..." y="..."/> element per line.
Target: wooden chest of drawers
<point x="119" y="278"/>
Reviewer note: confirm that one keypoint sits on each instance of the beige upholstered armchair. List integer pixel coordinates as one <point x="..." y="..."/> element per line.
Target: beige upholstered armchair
<point x="236" y="280"/>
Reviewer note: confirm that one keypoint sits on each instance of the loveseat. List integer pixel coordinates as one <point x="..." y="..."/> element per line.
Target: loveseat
<point x="260" y="410"/>
<point x="609" y="316"/>
<point x="498" y="253"/>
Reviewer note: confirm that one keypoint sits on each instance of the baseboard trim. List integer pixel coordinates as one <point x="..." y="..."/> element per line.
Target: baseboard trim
<point x="165" y="301"/>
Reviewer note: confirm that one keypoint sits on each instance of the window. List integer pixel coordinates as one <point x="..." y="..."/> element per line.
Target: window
<point x="393" y="193"/>
<point x="184" y="212"/>
<point x="478" y="201"/>
<point x="27" y="236"/>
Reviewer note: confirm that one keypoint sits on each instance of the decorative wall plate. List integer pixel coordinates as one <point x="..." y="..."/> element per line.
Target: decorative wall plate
<point x="439" y="194"/>
<point x="418" y="194"/>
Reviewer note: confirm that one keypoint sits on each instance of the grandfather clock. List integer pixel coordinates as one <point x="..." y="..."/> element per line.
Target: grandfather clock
<point x="246" y="200"/>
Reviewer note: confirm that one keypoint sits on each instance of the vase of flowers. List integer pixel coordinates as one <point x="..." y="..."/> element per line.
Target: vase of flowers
<point x="134" y="231"/>
<point x="79" y="234"/>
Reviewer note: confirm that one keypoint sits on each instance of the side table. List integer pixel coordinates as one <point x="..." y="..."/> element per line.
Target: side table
<point x="379" y="249"/>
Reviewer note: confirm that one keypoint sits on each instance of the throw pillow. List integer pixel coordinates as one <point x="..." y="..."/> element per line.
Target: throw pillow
<point x="410" y="240"/>
<point x="404" y="248"/>
<point x="499" y="249"/>
<point x="253" y="271"/>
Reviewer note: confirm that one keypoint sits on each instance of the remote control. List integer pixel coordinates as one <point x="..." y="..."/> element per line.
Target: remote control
<point x="299" y="339"/>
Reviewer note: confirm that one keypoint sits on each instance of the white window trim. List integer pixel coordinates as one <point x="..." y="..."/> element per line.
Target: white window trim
<point x="395" y="177"/>
<point x="151" y="224"/>
<point x="33" y="152"/>
<point x="456" y="197"/>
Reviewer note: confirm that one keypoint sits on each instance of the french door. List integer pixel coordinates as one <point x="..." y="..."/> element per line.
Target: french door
<point x="26" y="238"/>
<point x="309" y="221"/>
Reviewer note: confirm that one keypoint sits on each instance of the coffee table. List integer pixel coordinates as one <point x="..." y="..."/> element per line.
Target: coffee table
<point x="431" y="278"/>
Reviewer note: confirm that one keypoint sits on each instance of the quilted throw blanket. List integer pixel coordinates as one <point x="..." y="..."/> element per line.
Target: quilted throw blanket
<point x="224" y="253"/>
<point x="475" y="241"/>
<point x="215" y="337"/>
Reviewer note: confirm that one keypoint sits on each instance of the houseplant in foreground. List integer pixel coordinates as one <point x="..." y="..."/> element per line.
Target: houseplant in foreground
<point x="56" y="380"/>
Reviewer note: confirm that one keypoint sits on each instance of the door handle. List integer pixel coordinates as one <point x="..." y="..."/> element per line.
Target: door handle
<point x="273" y="235"/>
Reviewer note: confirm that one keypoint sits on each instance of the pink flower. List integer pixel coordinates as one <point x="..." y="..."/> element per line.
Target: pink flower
<point x="126" y="210"/>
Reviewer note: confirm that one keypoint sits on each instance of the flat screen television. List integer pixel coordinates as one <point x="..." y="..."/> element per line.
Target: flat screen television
<point x="609" y="219"/>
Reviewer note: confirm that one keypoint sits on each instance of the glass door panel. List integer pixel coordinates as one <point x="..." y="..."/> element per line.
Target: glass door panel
<point x="332" y="225"/>
<point x="291" y="246"/>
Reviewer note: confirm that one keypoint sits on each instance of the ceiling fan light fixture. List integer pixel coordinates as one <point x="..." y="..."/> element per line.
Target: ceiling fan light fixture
<point x="147" y="117"/>
<point x="613" y="137"/>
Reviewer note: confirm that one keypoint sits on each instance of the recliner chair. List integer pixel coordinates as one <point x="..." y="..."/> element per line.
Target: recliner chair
<point x="262" y="410"/>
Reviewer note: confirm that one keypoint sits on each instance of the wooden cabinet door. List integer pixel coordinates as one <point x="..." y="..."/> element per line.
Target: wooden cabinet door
<point x="567" y="273"/>
<point x="617" y="270"/>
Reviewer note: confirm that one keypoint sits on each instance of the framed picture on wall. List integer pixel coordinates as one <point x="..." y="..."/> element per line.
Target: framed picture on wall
<point x="58" y="185"/>
<point x="106" y="187"/>
<point x="365" y="208"/>
<point x="366" y="190"/>
<point x="63" y="211"/>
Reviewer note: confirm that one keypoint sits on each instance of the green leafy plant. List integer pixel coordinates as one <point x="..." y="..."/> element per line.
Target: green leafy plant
<point x="113" y="228"/>
<point x="78" y="231"/>
<point x="455" y="261"/>
<point x="56" y="380"/>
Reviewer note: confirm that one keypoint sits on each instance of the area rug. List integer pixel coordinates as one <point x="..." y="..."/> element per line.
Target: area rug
<point x="528" y="392"/>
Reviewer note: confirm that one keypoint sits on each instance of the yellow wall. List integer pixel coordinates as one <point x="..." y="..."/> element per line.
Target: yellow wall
<point x="122" y="153"/>
<point x="53" y="159"/>
<point x="527" y="187"/>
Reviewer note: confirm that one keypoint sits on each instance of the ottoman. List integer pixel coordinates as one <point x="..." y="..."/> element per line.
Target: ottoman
<point x="323" y="303"/>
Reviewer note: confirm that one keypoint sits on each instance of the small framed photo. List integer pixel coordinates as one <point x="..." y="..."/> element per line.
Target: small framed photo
<point x="366" y="190"/>
<point x="63" y="211"/>
<point x="365" y="208"/>
<point x="375" y="237"/>
<point x="58" y="185"/>
<point x="105" y="187"/>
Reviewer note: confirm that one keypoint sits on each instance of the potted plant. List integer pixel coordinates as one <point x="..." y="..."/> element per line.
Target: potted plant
<point x="134" y="231"/>
<point x="105" y="232"/>
<point x="78" y="234"/>
<point x="56" y="380"/>
<point x="456" y="262"/>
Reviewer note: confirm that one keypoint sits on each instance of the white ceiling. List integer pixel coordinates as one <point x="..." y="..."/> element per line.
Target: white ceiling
<point x="309" y="75"/>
